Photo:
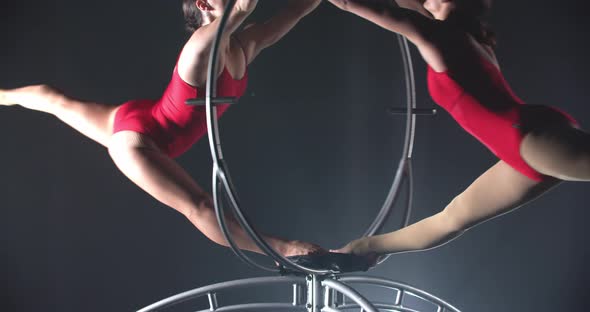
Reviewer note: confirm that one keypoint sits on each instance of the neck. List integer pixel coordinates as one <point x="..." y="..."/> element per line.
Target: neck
<point x="471" y="25"/>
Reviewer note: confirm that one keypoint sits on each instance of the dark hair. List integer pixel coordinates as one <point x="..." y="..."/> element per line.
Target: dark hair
<point x="480" y="30"/>
<point x="471" y="14"/>
<point x="477" y="8"/>
<point x="192" y="15"/>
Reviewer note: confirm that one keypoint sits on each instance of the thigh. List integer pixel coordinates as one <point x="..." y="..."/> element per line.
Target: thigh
<point x="498" y="191"/>
<point x="94" y="120"/>
<point x="139" y="158"/>
<point x="559" y="151"/>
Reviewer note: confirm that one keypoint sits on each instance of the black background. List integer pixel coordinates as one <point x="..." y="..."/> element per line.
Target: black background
<point x="311" y="149"/>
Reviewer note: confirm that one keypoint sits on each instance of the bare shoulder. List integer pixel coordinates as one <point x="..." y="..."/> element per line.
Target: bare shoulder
<point x="194" y="57"/>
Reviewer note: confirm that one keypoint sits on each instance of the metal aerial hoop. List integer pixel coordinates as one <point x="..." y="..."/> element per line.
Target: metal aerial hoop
<point x="325" y="291"/>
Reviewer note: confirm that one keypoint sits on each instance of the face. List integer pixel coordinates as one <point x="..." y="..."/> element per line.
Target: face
<point x="211" y="5"/>
<point x="440" y="9"/>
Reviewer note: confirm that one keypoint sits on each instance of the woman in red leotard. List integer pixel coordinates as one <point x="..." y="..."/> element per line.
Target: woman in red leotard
<point x="143" y="136"/>
<point x="538" y="146"/>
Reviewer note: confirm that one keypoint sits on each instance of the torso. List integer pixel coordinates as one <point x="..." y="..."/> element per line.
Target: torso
<point x="169" y="122"/>
<point x="465" y="79"/>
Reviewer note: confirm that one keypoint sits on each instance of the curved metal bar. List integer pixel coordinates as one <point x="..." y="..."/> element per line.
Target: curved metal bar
<point x="221" y="219"/>
<point x="255" y="307"/>
<point x="203" y="291"/>
<point x="213" y="133"/>
<point x="409" y="65"/>
<point x="410" y="176"/>
<point x="409" y="173"/>
<point x="217" y="155"/>
<point x="263" y="245"/>
<point x="380" y="306"/>
<point x="211" y="92"/>
<point x="351" y="294"/>
<point x="381" y="282"/>
<point x="408" y="140"/>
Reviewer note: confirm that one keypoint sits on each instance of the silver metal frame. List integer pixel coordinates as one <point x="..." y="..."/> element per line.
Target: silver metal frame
<point x="319" y="290"/>
<point x="324" y="294"/>
<point x="223" y="187"/>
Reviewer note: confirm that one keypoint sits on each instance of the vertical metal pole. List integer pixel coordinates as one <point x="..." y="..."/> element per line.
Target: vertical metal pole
<point x="402" y="294"/>
<point x="297" y="295"/>
<point x="212" y="301"/>
<point x="398" y="297"/>
<point x="329" y="297"/>
<point x="340" y="299"/>
<point x="314" y="293"/>
<point x="317" y="293"/>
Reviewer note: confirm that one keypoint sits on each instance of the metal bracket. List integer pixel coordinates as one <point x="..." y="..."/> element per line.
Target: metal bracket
<point x="215" y="101"/>
<point x="416" y="111"/>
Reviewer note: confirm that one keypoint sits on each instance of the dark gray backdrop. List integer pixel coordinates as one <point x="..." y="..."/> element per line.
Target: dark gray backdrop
<point x="75" y="235"/>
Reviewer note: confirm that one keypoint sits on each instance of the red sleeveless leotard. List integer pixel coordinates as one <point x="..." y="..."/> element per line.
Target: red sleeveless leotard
<point x="481" y="101"/>
<point x="169" y="122"/>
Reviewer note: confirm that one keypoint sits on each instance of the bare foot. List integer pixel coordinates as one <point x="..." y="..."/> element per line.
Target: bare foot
<point x="359" y="247"/>
<point x="7" y="97"/>
<point x="3" y="98"/>
<point x="33" y="97"/>
<point x="299" y="248"/>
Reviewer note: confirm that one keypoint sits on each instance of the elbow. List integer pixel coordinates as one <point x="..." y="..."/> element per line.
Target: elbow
<point x="303" y="8"/>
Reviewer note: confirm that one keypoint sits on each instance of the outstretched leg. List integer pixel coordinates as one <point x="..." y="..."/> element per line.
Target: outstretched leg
<point x="562" y="152"/>
<point x="499" y="190"/>
<point x="94" y="120"/>
<point x="142" y="162"/>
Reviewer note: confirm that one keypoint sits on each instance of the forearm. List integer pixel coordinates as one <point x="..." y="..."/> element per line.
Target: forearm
<point x="388" y="15"/>
<point x="427" y="234"/>
<point x="354" y="5"/>
<point x="370" y="10"/>
<point x="284" y="21"/>
<point x="301" y="8"/>
<point x="236" y="18"/>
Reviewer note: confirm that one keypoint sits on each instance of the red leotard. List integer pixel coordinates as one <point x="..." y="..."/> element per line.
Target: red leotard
<point x="481" y="101"/>
<point x="169" y="122"/>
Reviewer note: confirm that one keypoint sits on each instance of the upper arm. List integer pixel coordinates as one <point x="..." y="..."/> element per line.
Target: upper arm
<point x="259" y="36"/>
<point x="194" y="58"/>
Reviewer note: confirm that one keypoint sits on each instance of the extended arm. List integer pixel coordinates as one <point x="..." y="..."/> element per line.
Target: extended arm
<point x="408" y="23"/>
<point x="257" y="37"/>
<point x="193" y="62"/>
